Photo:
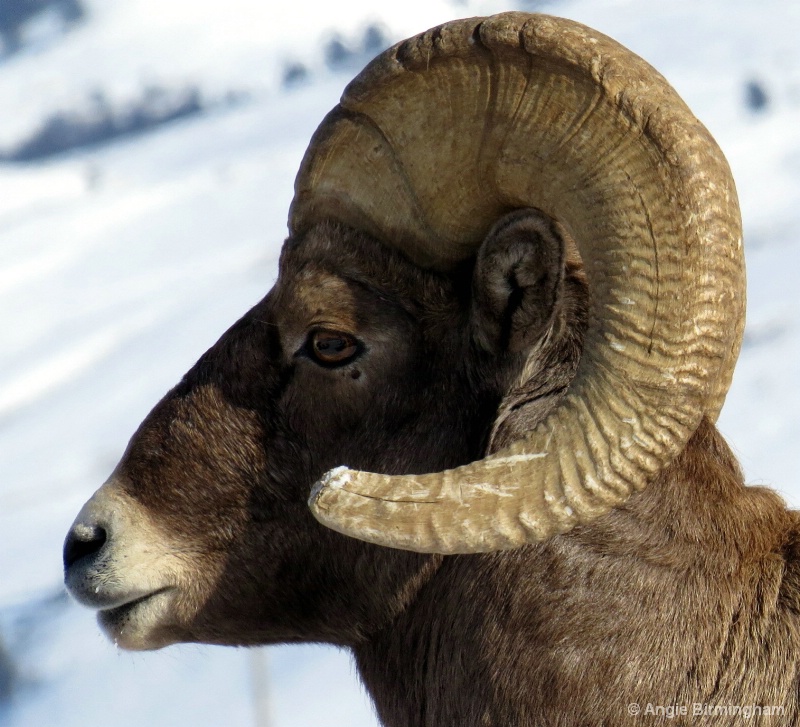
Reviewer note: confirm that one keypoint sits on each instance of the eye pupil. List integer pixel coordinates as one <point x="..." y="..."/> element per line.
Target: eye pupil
<point x="334" y="345"/>
<point x="333" y="348"/>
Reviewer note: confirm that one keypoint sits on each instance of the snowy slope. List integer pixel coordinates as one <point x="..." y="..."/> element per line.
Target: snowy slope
<point x="120" y="265"/>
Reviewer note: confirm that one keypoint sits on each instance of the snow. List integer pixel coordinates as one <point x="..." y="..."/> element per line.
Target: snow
<point x="120" y="265"/>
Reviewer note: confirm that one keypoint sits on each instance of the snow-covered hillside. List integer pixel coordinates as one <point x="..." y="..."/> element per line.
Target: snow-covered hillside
<point x="119" y="265"/>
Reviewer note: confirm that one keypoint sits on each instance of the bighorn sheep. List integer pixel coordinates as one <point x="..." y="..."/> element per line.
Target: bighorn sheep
<point x="515" y="260"/>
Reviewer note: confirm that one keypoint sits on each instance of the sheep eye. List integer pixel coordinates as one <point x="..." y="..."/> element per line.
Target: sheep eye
<point x="332" y="347"/>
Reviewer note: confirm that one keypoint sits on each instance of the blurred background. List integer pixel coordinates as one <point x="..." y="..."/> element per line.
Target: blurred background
<point x="147" y="154"/>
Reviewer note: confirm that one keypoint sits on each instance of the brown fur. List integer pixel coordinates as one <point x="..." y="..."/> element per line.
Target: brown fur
<point x="686" y="595"/>
<point x="690" y="593"/>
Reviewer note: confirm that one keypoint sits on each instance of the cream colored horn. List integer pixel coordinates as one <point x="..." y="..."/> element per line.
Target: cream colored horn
<point x="446" y="132"/>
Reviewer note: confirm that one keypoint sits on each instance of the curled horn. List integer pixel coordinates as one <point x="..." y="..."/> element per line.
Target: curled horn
<point x="447" y="131"/>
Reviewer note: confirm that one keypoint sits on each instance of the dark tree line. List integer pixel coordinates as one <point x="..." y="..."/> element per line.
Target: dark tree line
<point x="14" y="14"/>
<point x="101" y="122"/>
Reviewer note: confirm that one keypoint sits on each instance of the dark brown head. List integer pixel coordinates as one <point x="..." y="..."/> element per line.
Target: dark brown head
<point x="356" y="357"/>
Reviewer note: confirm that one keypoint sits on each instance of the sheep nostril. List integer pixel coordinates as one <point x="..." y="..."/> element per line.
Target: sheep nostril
<point x="82" y="541"/>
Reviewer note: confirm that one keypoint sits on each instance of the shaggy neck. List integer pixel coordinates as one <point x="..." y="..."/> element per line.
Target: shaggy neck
<point x="536" y="636"/>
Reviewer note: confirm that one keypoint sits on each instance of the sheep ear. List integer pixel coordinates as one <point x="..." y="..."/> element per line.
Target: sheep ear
<point x="518" y="282"/>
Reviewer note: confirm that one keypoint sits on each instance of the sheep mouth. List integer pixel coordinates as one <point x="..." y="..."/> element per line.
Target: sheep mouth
<point x="131" y="624"/>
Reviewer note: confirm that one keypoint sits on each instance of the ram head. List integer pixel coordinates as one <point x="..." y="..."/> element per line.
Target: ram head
<point x="513" y="288"/>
